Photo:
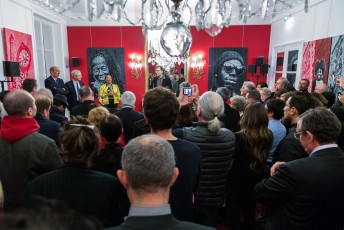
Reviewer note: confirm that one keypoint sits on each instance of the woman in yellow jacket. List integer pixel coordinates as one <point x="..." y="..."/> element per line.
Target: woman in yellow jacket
<point x="109" y="94"/>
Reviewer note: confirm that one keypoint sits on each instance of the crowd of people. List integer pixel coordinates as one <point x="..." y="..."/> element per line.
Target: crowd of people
<point x="265" y="159"/>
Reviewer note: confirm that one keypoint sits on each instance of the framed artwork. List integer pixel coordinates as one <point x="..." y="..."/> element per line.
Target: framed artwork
<point x="227" y="68"/>
<point x="18" y="48"/>
<point x="336" y="68"/>
<point x="105" y="61"/>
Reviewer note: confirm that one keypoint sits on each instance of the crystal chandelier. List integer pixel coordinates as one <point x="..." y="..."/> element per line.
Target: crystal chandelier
<point x="208" y="15"/>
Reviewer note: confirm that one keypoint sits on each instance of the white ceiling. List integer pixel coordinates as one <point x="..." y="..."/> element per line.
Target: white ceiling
<point x="77" y="9"/>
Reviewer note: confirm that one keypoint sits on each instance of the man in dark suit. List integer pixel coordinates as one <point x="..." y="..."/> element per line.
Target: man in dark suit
<point x="231" y="117"/>
<point x="73" y="87"/>
<point x="308" y="193"/>
<point x="128" y="115"/>
<point x="88" y="103"/>
<point x="148" y="173"/>
<point x="47" y="127"/>
<point x="162" y="79"/>
<point x="54" y="83"/>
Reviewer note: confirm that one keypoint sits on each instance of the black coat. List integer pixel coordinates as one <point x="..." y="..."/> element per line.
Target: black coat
<point x="83" y="108"/>
<point x="306" y="193"/>
<point x="89" y="192"/>
<point x="128" y="117"/>
<point x="47" y="127"/>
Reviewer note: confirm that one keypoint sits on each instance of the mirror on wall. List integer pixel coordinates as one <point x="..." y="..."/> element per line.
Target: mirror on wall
<point x="155" y="55"/>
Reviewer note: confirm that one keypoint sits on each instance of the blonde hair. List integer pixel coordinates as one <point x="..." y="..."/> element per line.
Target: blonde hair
<point x="97" y="114"/>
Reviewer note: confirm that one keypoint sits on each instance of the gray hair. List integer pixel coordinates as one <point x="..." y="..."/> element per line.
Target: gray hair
<point x="266" y="91"/>
<point x="239" y="102"/>
<point x="249" y="85"/>
<point x="285" y="81"/>
<point x="148" y="162"/>
<point x="76" y="72"/>
<point x="46" y="92"/>
<point x="322" y="123"/>
<point x="17" y="102"/>
<point x="128" y="98"/>
<point x="224" y="92"/>
<point x="211" y="107"/>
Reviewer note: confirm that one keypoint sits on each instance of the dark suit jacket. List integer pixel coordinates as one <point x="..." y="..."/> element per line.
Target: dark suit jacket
<point x="128" y="117"/>
<point x="56" y="87"/>
<point x="72" y="94"/>
<point x="48" y="127"/>
<point x="83" y="108"/>
<point x="306" y="193"/>
<point x="89" y="192"/>
<point x="157" y="223"/>
<point x="166" y="82"/>
<point x="57" y="115"/>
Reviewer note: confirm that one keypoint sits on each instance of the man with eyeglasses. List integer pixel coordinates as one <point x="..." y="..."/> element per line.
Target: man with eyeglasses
<point x="290" y="148"/>
<point x="230" y="71"/>
<point x="162" y="79"/>
<point x="308" y="193"/>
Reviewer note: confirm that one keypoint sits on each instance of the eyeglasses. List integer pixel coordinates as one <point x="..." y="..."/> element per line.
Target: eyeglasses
<point x="239" y="70"/>
<point x="297" y="135"/>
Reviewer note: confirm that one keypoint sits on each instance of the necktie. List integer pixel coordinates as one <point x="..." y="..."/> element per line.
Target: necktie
<point x="77" y="91"/>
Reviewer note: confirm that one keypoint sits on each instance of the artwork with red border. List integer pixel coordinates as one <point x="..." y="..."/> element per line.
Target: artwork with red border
<point x="321" y="60"/>
<point x="18" y="48"/>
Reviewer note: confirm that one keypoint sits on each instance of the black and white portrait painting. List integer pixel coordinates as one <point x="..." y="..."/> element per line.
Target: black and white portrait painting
<point x="106" y="61"/>
<point x="227" y="68"/>
<point x="336" y="69"/>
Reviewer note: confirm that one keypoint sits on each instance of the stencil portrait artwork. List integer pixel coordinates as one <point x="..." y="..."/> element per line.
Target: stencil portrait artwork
<point x="228" y="68"/>
<point x="104" y="61"/>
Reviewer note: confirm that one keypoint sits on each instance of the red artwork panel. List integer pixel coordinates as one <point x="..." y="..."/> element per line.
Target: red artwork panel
<point x="321" y="60"/>
<point x="307" y="66"/>
<point x="18" y="48"/>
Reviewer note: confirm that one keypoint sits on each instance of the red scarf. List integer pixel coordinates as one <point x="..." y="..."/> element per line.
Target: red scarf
<point x="14" y="128"/>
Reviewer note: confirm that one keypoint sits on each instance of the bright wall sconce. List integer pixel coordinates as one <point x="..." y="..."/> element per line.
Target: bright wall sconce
<point x="135" y="65"/>
<point x="197" y="65"/>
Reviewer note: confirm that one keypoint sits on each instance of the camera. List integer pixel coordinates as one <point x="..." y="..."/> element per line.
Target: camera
<point x="187" y="91"/>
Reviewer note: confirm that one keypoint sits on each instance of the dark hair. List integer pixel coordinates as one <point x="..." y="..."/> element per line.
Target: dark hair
<point x="322" y="123"/>
<point x="305" y="79"/>
<point x="279" y="92"/>
<point x="3" y="94"/>
<point x="42" y="103"/>
<point x="339" y="111"/>
<point x="263" y="84"/>
<point x="111" y="128"/>
<point x="254" y="94"/>
<point x="302" y="101"/>
<point x="79" y="142"/>
<point x="276" y="107"/>
<point x="185" y="116"/>
<point x="320" y="64"/>
<point x="29" y="84"/>
<point x="161" y="107"/>
<point x="330" y="96"/>
<point x="254" y="127"/>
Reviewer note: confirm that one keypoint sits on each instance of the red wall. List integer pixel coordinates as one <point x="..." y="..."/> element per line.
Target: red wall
<point x="255" y="38"/>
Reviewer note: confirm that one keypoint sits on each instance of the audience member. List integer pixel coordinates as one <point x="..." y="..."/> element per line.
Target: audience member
<point x="128" y="115"/>
<point x="290" y="148"/>
<point x="231" y="117"/>
<point x="2" y="96"/>
<point x="97" y="114"/>
<point x="217" y="146"/>
<point x="47" y="215"/>
<point x="162" y="79"/>
<point x="57" y="110"/>
<point x="261" y="85"/>
<point x="278" y="93"/>
<point x="54" y="83"/>
<point x="73" y="86"/>
<point x="320" y="88"/>
<point x="24" y="153"/>
<point x="339" y="112"/>
<point x="148" y="173"/>
<point x="281" y="83"/>
<point x="238" y="103"/>
<point x="330" y="98"/>
<point x="46" y="127"/>
<point x="308" y="193"/>
<point x="91" y="193"/>
<point x="246" y="86"/>
<point x="48" y="93"/>
<point x="161" y="109"/>
<point x="275" y="114"/>
<point x="253" y="95"/>
<point x="30" y="85"/>
<point x="265" y="95"/>
<point x="252" y="146"/>
<point x="185" y="117"/>
<point x="303" y="85"/>
<point x="88" y="103"/>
